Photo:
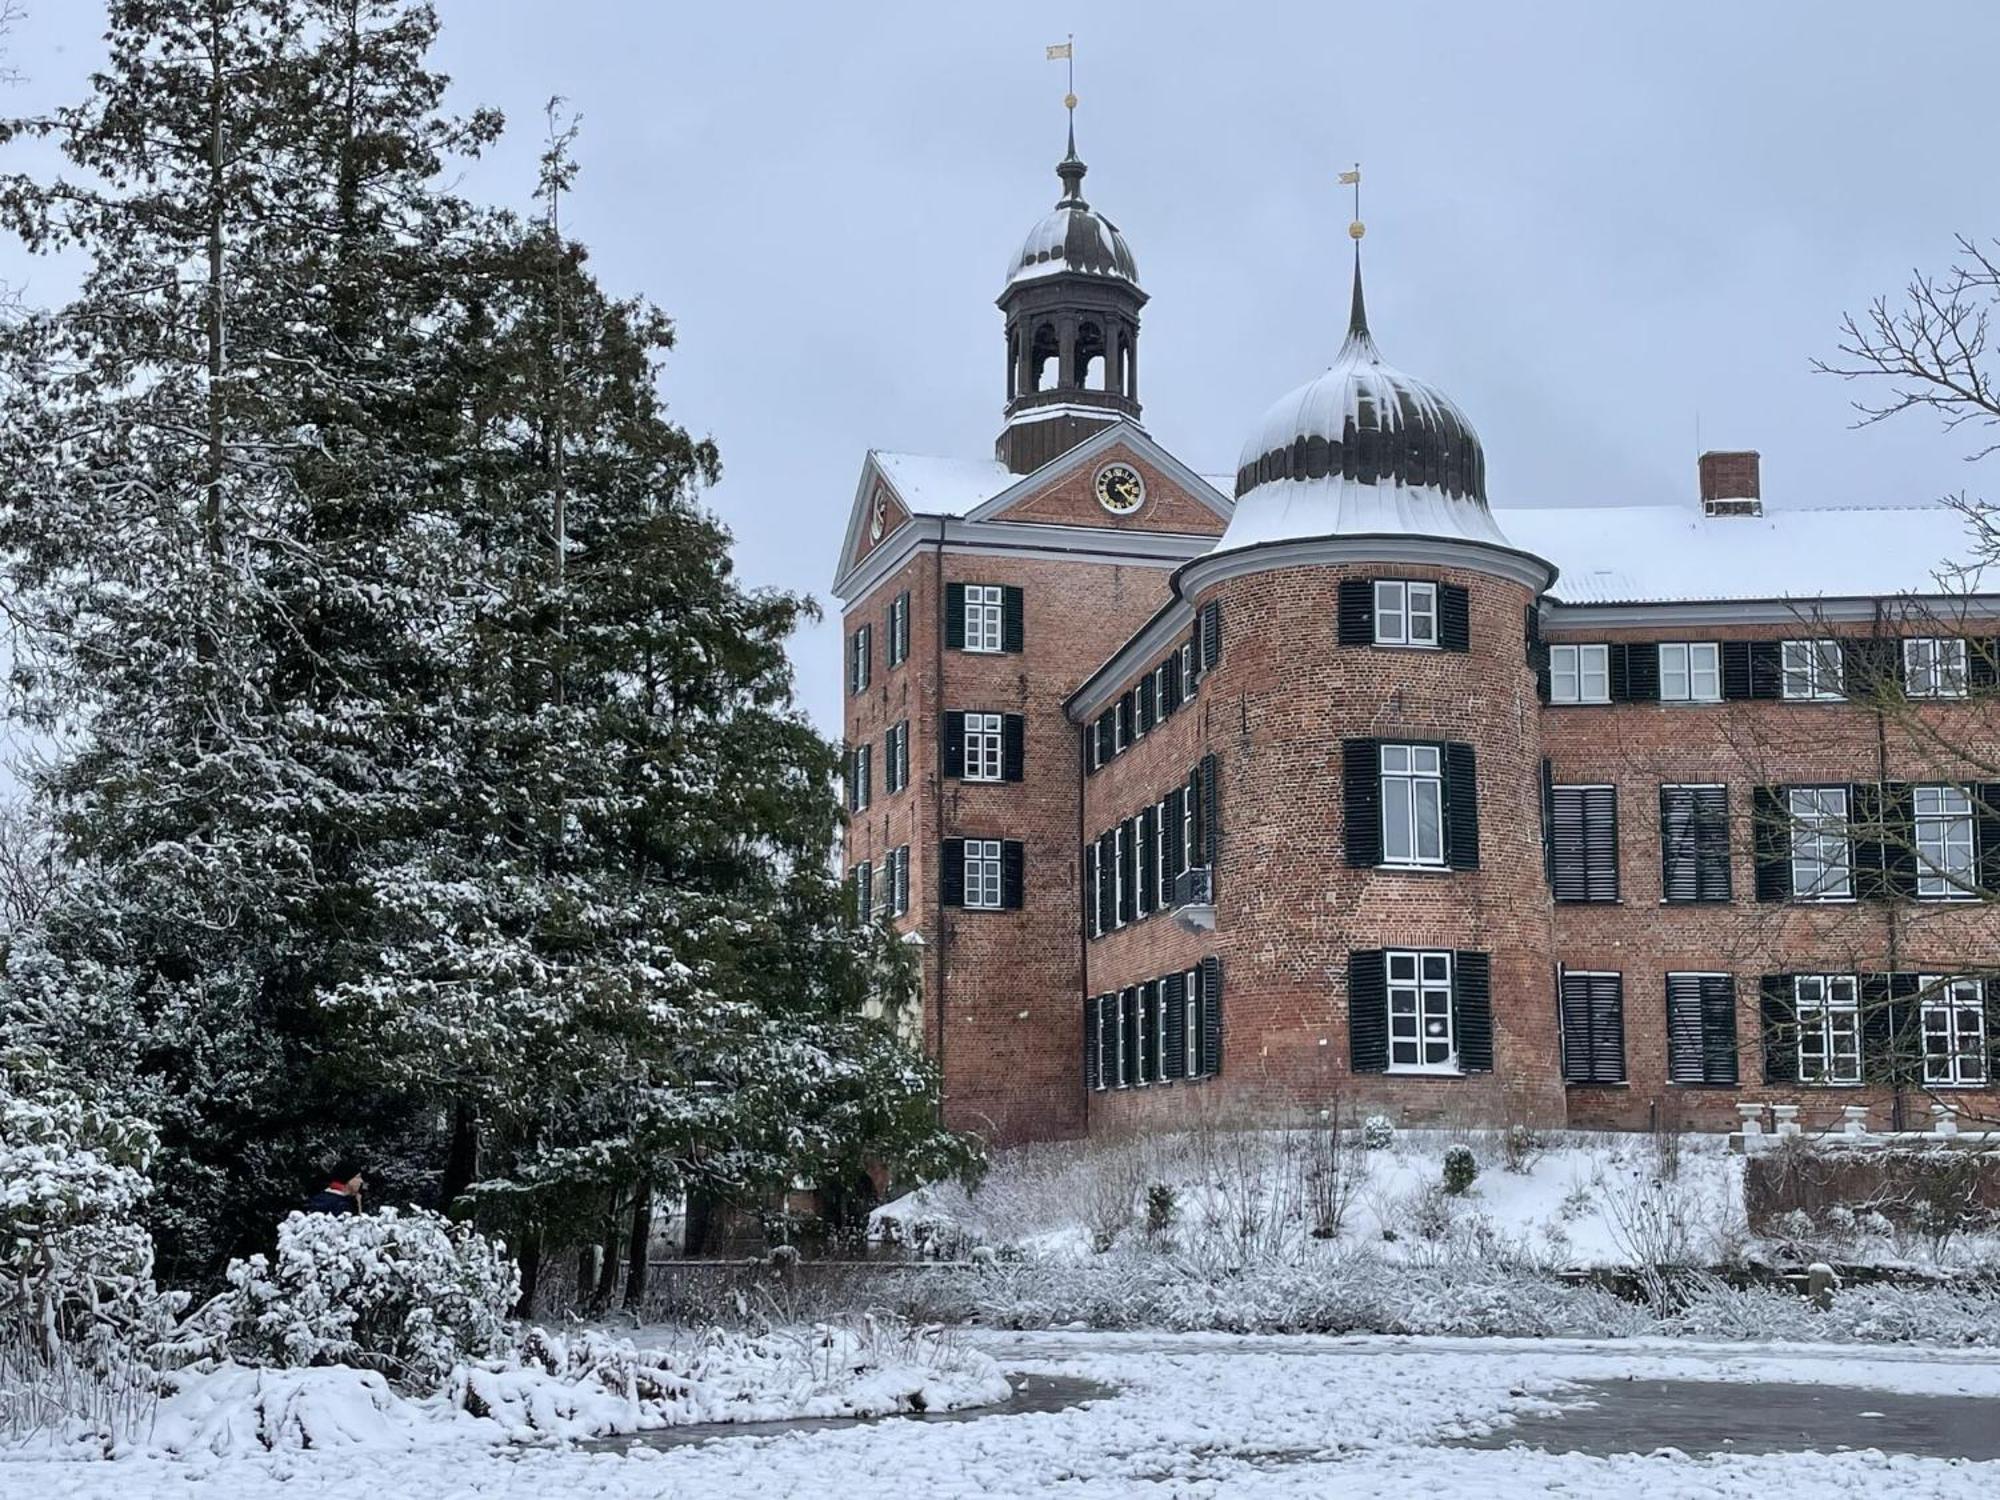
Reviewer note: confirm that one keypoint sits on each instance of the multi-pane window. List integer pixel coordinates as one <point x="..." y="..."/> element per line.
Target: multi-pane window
<point x="1405" y="613"/>
<point x="896" y="879"/>
<point x="1944" y="842"/>
<point x="1694" y="843"/>
<point x="1934" y="668"/>
<point x="1690" y="672"/>
<point x="1195" y="1020"/>
<point x="861" y="784"/>
<point x="1187" y="671"/>
<point x="1811" y="670"/>
<point x="896" y="757"/>
<point x="1420" y="1036"/>
<point x="1580" y="674"/>
<point x="982" y="874"/>
<point x="1121" y="877"/>
<point x="860" y="653"/>
<point x="1412" y="804"/>
<point x="985" y="736"/>
<point x="1954" y="1032"/>
<point x="1822" y="847"/>
<point x="899" y="628"/>
<point x="982" y="616"/>
<point x="864" y="891"/>
<point x="1829" y="1025"/>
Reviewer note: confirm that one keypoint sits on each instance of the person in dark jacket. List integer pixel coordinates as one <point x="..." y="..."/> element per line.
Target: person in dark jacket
<point x="341" y="1195"/>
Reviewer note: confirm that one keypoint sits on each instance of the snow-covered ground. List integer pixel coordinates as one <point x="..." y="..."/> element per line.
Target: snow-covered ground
<point x="1205" y="1415"/>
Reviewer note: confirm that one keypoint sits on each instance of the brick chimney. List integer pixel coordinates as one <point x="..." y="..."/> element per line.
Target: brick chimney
<point x="1729" y="485"/>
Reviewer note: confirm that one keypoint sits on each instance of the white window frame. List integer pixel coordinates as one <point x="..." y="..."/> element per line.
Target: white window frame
<point x="1187" y="670"/>
<point x="864" y="776"/>
<point x="1695" y="667"/>
<point x="1118" y="1009"/>
<point x="1948" y="1001"/>
<point x="1935" y="667"/>
<point x="983" y="755"/>
<point x="899" y="630"/>
<point x="985" y="614"/>
<point x="899" y="877"/>
<point x="1817" y="827"/>
<point x="1428" y="984"/>
<point x="982" y="874"/>
<point x="1419" y="771"/>
<point x="1192" y="1014"/>
<point x="1118" y="878"/>
<point x="1586" y="669"/>
<point x="1827" y="1008"/>
<point x="1399" y="606"/>
<point x="1947" y="849"/>
<point x="1093" y="893"/>
<point x="1811" y="671"/>
<point x="860" y="656"/>
<point x="896" y="757"/>
<point x="1162" y="865"/>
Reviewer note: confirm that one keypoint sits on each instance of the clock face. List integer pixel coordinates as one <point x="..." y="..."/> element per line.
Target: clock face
<point x="1119" y="488"/>
<point x="879" y="519"/>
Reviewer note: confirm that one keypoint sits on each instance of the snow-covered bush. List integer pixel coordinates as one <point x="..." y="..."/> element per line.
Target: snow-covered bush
<point x="1377" y="1134"/>
<point x="408" y="1294"/>
<point x="1461" y="1167"/>
<point x="79" y="1312"/>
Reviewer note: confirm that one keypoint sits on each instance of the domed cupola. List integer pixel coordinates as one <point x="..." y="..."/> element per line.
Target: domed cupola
<point x="1362" y="450"/>
<point x="1072" y="303"/>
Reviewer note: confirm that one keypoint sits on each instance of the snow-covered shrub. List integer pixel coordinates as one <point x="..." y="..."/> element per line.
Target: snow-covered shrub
<point x="1377" y="1133"/>
<point x="79" y="1313"/>
<point x="1461" y="1167"/>
<point x="409" y="1294"/>
<point x="1162" y="1209"/>
<point x="1520" y="1147"/>
<point x="1656" y="1224"/>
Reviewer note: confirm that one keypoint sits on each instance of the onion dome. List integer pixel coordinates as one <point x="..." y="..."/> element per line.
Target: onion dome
<point x="1364" y="449"/>
<point x="1073" y="236"/>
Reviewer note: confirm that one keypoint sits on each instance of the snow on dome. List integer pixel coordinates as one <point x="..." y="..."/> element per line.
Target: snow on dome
<point x="1073" y="236"/>
<point x="1361" y="449"/>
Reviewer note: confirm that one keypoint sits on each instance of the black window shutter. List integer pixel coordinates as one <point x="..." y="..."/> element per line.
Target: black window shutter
<point x="954" y="746"/>
<point x="1361" y="796"/>
<point x="1986" y="836"/>
<point x="1093" y="916"/>
<point x="1642" y="673"/>
<point x="1013" y="859"/>
<point x="1680" y="864"/>
<point x="1461" y="808"/>
<point x="1538" y="652"/>
<point x="1735" y="670"/>
<point x="1092" y="1058"/>
<point x="1107" y="882"/>
<point x="1982" y="665"/>
<point x="1718" y="1028"/>
<point x="1566" y="833"/>
<point x="1143" y="699"/>
<point x="954" y="616"/>
<point x="1767" y="673"/>
<point x="1472" y="1007"/>
<point x="1712" y="862"/>
<point x="1600" y="807"/>
<point x="1686" y="1030"/>
<point x="1573" y="1017"/>
<point x="1175" y="986"/>
<point x="1871" y="669"/>
<point x="1779" y="1018"/>
<point x="1107" y="744"/>
<point x="1012" y="634"/>
<point x="903" y="625"/>
<point x="1899" y="839"/>
<point x="1128" y="898"/>
<point x="951" y="872"/>
<point x="1585" y="837"/>
<point x="1356" y="612"/>
<point x="903" y="879"/>
<point x="1368" y="1011"/>
<point x="1617" y="659"/>
<point x="1176" y="815"/>
<point x="1211" y="1014"/>
<point x="1878" y="1029"/>
<point x="1593" y="1028"/>
<point x="1211" y="635"/>
<point x="1149" y="859"/>
<point x="1866" y="847"/>
<point x="1771" y="840"/>
<point x="1128" y="1027"/>
<point x="1454" y="617"/>
<point x="1170" y="688"/>
<point x="1211" y="811"/>
<point x="1013" y="752"/>
<point x="1905" y="1051"/>
<point x="1125" y="717"/>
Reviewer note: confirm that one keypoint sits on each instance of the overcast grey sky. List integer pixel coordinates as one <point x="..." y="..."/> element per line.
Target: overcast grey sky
<point x="1594" y="224"/>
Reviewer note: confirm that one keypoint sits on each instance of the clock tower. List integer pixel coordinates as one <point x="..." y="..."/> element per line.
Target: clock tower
<point x="1072" y="304"/>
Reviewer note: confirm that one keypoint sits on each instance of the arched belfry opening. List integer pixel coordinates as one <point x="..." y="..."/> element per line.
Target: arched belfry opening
<point x="1071" y="305"/>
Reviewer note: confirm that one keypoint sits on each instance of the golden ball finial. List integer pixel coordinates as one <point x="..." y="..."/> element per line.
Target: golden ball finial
<point x="1356" y="230"/>
<point x="1069" y="101"/>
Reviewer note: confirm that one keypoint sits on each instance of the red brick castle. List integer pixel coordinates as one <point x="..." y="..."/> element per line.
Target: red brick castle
<point x="1327" y="779"/>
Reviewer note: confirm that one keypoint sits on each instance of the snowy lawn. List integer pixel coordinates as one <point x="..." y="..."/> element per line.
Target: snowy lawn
<point x="1195" y="1415"/>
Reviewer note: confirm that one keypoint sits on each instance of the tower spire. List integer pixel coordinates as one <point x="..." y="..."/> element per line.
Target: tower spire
<point x="1071" y="168"/>
<point x="1357" y="312"/>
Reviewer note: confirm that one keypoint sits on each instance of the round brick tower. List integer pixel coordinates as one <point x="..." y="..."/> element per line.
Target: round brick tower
<point x="1382" y="912"/>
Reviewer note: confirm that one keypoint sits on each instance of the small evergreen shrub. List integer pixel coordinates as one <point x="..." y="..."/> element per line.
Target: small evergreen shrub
<point x="1377" y="1134"/>
<point x="1460" y="1168"/>
<point x="1162" y="1208"/>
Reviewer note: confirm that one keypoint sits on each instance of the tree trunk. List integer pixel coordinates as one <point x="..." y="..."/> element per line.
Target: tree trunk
<point x="607" y="1268"/>
<point x="531" y="1272"/>
<point x="586" y="1274"/>
<point x="640" y="1245"/>
<point x="461" y="1163"/>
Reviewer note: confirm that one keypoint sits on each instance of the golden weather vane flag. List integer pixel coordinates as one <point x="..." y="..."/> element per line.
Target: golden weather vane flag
<point x="1065" y="52"/>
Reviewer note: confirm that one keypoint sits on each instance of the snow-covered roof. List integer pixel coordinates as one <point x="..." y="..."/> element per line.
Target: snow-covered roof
<point x="1675" y="553"/>
<point x="1362" y="449"/>
<point x="934" y="486"/>
<point x="1073" y="236"/>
